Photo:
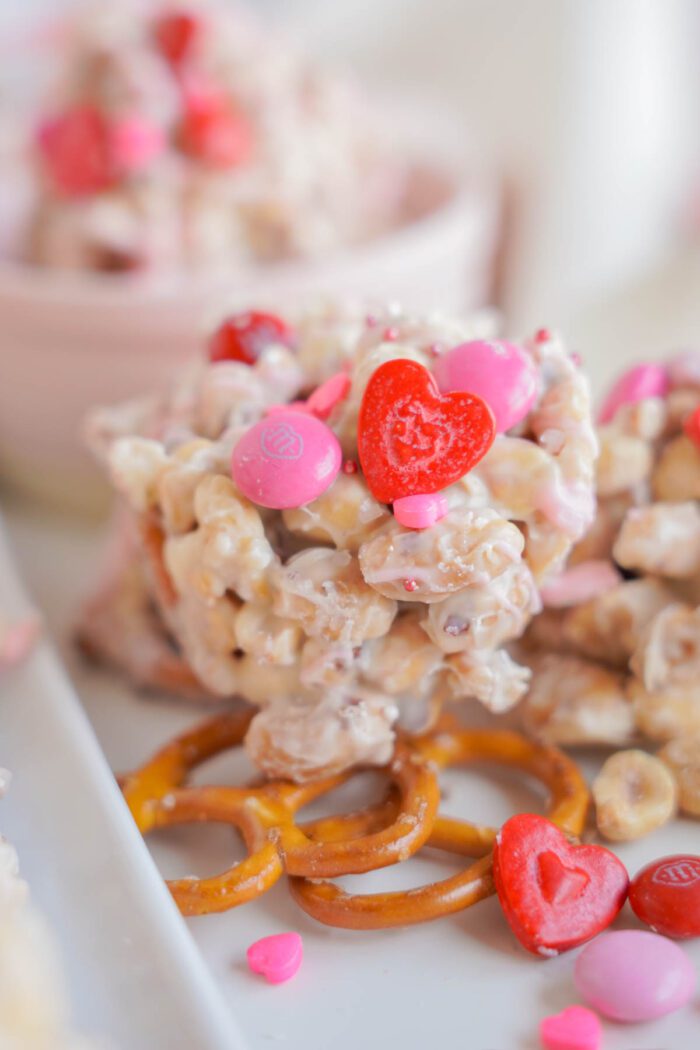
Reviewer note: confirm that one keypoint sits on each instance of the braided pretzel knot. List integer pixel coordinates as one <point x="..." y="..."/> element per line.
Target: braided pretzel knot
<point x="450" y="745"/>
<point x="158" y="796"/>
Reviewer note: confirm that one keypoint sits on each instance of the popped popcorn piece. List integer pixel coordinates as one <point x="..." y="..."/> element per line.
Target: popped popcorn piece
<point x="306" y="740"/>
<point x="466" y="548"/>
<point x="573" y="702"/>
<point x="346" y="515"/>
<point x="494" y="679"/>
<point x="482" y="618"/>
<point x="662" y="539"/>
<point x="682" y="756"/>
<point x="324" y="590"/>
<point x="634" y="794"/>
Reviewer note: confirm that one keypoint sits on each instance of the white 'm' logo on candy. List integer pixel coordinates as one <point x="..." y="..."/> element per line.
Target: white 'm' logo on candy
<point x="678" y="873"/>
<point x="281" y="441"/>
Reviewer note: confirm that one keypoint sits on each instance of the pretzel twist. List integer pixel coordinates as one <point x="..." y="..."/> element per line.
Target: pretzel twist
<point x="450" y="746"/>
<point x="158" y="796"/>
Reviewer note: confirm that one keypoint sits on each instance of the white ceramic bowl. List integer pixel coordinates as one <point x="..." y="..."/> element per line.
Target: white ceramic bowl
<point x="72" y="341"/>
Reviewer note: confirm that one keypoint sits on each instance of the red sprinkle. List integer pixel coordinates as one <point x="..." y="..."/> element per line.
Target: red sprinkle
<point x="176" y="34"/>
<point x="543" y="335"/>
<point x="349" y="466"/>
<point x="410" y="585"/>
<point x="243" y="337"/>
<point x="691" y="426"/>
<point x="390" y="335"/>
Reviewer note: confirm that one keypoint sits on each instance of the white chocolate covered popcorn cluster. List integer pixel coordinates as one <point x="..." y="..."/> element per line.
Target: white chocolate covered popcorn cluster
<point x="189" y="135"/>
<point x="616" y="656"/>
<point x="271" y="565"/>
<point x="33" y="1010"/>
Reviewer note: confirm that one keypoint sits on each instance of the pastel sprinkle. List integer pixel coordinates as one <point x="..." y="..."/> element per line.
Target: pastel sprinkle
<point x="420" y="512"/>
<point x="635" y="385"/>
<point x="277" y="957"/>
<point x="575" y="1028"/>
<point x="329" y="394"/>
<point x="580" y="583"/>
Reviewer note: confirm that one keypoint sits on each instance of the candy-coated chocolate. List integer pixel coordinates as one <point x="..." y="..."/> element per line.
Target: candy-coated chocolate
<point x="325" y="397"/>
<point x="666" y="895"/>
<point x="580" y="583"/>
<point x="175" y="34"/>
<point x="413" y="440"/>
<point x="575" y="1028"/>
<point x="243" y="337"/>
<point x="637" y="383"/>
<point x="277" y="957"/>
<point x="554" y="895"/>
<point x="420" y="512"/>
<point x="76" y="149"/>
<point x="503" y="374"/>
<point x="286" y="460"/>
<point x="634" y="975"/>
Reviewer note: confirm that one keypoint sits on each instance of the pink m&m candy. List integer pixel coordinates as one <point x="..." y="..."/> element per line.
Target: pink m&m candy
<point x="634" y="975"/>
<point x="286" y="460"/>
<point x="502" y="374"/>
<point x="636" y="384"/>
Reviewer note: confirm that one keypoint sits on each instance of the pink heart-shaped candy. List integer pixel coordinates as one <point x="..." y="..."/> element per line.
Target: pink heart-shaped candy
<point x="575" y="1028"/>
<point x="277" y="957"/>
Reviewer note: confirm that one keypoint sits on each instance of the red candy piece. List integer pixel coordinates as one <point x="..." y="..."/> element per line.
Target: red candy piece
<point x="243" y="337"/>
<point x="76" y="149"/>
<point x="692" y="426"/>
<point x="666" y="895"/>
<point x="413" y="440"/>
<point x="554" y="895"/>
<point x="215" y="132"/>
<point x="175" y="35"/>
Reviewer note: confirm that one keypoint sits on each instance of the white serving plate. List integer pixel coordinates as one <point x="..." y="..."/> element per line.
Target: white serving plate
<point x="459" y="982"/>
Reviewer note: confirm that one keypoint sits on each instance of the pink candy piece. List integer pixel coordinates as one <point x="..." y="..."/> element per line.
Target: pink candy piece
<point x="17" y="641"/>
<point x="329" y="394"/>
<point x="634" y="975"/>
<point x="580" y="583"/>
<point x="277" y="957"/>
<point x="420" y="512"/>
<point x="502" y="374"/>
<point x="286" y="460"/>
<point x="575" y="1028"/>
<point x="637" y="383"/>
<point x="136" y="142"/>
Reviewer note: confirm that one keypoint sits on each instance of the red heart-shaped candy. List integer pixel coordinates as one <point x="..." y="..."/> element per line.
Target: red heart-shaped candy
<point x="555" y="895"/>
<point x="412" y="440"/>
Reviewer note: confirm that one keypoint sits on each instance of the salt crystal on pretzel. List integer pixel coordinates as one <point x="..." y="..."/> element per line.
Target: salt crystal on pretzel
<point x="337" y="594"/>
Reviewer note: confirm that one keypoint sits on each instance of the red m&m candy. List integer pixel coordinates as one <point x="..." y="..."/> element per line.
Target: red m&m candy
<point x="243" y="337"/>
<point x="666" y="895"/>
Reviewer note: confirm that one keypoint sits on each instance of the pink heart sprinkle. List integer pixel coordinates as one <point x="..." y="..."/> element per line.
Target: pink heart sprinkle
<point x="420" y="512"/>
<point x="575" y="1028"/>
<point x="329" y="394"/>
<point x="277" y="957"/>
<point x="136" y="142"/>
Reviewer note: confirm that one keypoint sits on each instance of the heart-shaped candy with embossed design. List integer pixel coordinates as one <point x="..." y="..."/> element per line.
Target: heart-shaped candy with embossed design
<point x="412" y="440"/>
<point x="555" y="895"/>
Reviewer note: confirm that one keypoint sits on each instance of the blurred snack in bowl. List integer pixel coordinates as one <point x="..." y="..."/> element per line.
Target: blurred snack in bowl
<point x="346" y="534"/>
<point x="193" y="136"/>
<point x="122" y="263"/>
